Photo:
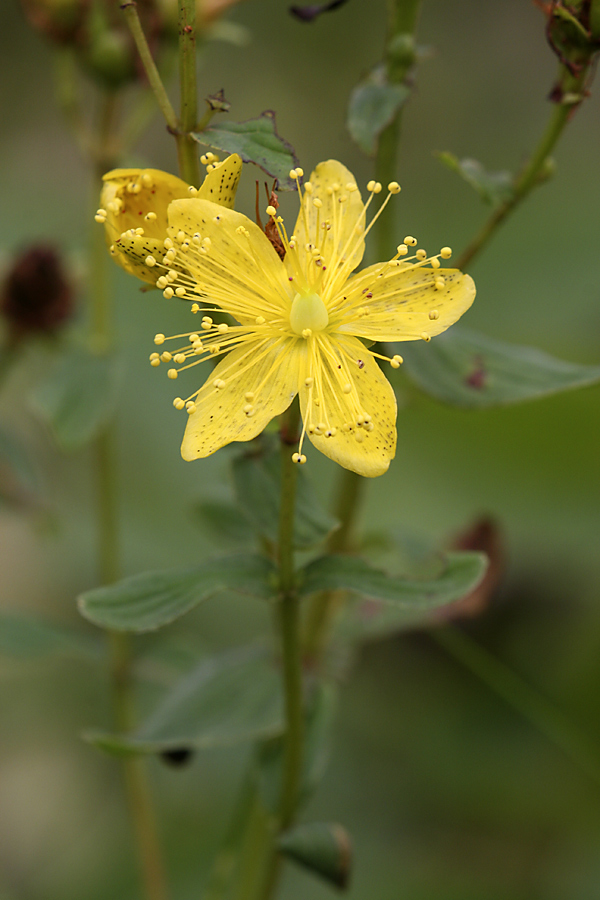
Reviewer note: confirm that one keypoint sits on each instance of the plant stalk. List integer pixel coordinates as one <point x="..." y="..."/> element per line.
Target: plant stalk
<point x="187" y="147"/>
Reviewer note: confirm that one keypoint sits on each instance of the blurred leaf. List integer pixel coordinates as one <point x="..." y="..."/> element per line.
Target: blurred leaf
<point x="255" y="141"/>
<point x="149" y="600"/>
<point x="229" y="698"/>
<point x="311" y="11"/>
<point x="257" y="482"/>
<point x="78" y="397"/>
<point x="317" y="744"/>
<point x="493" y="187"/>
<point x="373" y="104"/>
<point x="365" y="619"/>
<point x="224" y="521"/>
<point x="18" y="480"/>
<point x="29" y="637"/>
<point x="323" y="848"/>
<point x="468" y="369"/>
<point x="460" y="574"/>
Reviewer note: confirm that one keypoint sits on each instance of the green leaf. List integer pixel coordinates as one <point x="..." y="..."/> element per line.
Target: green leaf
<point x="78" y="397"/>
<point x="19" y="482"/>
<point x="467" y="369"/>
<point x="324" y="848"/>
<point x="256" y="141"/>
<point x="147" y="601"/>
<point x="224" y="521"/>
<point x="461" y="572"/>
<point x="28" y="637"/>
<point x="493" y="187"/>
<point x="257" y="482"/>
<point x="373" y="104"/>
<point x="233" y="697"/>
<point x="366" y="619"/>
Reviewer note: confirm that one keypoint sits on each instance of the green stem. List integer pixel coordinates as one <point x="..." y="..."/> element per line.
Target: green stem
<point x="399" y="59"/>
<point x="66" y="85"/>
<point x="539" y="711"/>
<point x="533" y="171"/>
<point x="187" y="147"/>
<point x="139" y="799"/>
<point x="154" y="79"/>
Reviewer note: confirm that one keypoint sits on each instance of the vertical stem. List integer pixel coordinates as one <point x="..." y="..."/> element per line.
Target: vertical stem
<point x="187" y="147"/>
<point x="399" y="60"/>
<point x="139" y="799"/>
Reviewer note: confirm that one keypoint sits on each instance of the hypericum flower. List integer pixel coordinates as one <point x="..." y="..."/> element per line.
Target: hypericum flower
<point x="297" y="323"/>
<point x="134" y="203"/>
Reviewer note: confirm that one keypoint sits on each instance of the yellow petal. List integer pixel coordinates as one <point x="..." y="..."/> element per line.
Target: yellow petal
<point x="220" y="184"/>
<point x="232" y="261"/>
<point x="368" y="453"/>
<point x="402" y="304"/>
<point x="340" y="241"/>
<point x="128" y="195"/>
<point x="261" y="374"/>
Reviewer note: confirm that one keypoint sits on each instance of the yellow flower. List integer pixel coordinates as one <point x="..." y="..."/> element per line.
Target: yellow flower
<point x="134" y="203"/>
<point x="296" y="325"/>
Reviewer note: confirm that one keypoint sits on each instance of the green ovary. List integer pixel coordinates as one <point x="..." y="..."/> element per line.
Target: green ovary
<point x="308" y="312"/>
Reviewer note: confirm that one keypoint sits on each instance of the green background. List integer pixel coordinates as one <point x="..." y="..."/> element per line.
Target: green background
<point x="448" y="793"/>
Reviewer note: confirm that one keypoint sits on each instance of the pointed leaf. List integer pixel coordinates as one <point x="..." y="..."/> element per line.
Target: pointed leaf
<point x="78" y="397"/>
<point x="152" y="599"/>
<point x="323" y="848"/>
<point x="229" y="698"/>
<point x="257" y="481"/>
<point x="467" y="369"/>
<point x="373" y="105"/>
<point x="255" y="141"/>
<point x="493" y="187"/>
<point x="460" y="574"/>
<point x="27" y="637"/>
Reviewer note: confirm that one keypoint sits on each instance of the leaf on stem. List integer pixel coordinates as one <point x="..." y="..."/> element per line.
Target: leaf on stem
<point x="373" y="104"/>
<point x="256" y="141"/>
<point x="461" y="572"/>
<point x="324" y="848"/>
<point x="233" y="697"/>
<point x="150" y="600"/>
<point x="493" y="187"/>
<point x="467" y="369"/>
<point x="78" y="397"/>
<point x="224" y="522"/>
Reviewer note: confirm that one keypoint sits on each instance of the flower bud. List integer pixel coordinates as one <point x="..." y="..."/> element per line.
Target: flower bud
<point x="36" y="296"/>
<point x="57" y="19"/>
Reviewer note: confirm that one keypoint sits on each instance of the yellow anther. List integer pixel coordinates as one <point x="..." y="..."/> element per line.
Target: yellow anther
<point x="172" y="373"/>
<point x="180" y="237"/>
<point x="206" y="326"/>
<point x="197" y="237"/>
<point x="139" y="231"/>
<point x="440" y="283"/>
<point x="159" y="338"/>
<point x="371" y="186"/>
<point x="155" y="362"/>
<point x="250" y="412"/>
<point x="193" y="338"/>
<point x="219" y="384"/>
<point x="179" y="358"/>
<point x="207" y="319"/>
<point x="161" y="282"/>
<point x="260" y="320"/>
<point x="150" y="216"/>
<point x="249" y="396"/>
<point x="309" y="381"/>
<point x="101" y="212"/>
<point x="166" y="356"/>
<point x="410" y="241"/>
<point x="295" y="457"/>
<point x="190" y="408"/>
<point x="446" y="252"/>
<point x="170" y="255"/>
<point x="401" y="249"/>
<point x="168" y="293"/>
<point x="359" y="437"/>
<point x="399" y="359"/>
<point x="421" y="254"/>
<point x="210" y="168"/>
<point x="168" y="244"/>
<point x="248" y="408"/>
<point x="154" y="356"/>
<point x="317" y="203"/>
<point x="195" y="308"/>
<point x="223" y="328"/>
<point x="331" y="432"/>
<point x="299" y="172"/>
<point x="192" y="190"/>
<point x="178" y="403"/>
<point x="180" y="292"/>
<point x="425" y="336"/>
<point x="309" y="187"/>
<point x="306" y="333"/>
<point x="271" y="211"/>
<point x="351" y="187"/>
<point x="394" y="187"/>
<point x="100" y="219"/>
<point x="347" y="389"/>
<point x="435" y="263"/>
<point x="150" y="261"/>
<point x="146" y="180"/>
<point x="434" y="314"/>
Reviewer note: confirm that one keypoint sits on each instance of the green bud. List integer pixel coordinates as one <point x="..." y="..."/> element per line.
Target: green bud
<point x="109" y="58"/>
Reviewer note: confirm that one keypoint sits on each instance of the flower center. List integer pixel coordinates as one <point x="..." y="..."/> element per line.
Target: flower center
<point x="308" y="314"/>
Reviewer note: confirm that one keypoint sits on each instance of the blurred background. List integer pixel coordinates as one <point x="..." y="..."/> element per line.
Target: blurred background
<point x="448" y="792"/>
